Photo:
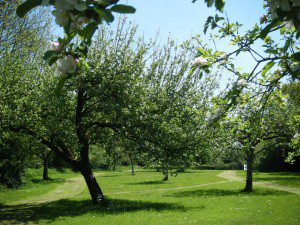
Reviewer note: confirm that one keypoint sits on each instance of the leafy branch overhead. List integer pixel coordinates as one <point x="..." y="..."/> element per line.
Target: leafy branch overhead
<point x="78" y="18"/>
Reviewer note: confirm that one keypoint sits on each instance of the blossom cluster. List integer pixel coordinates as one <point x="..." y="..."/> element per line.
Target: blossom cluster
<point x="66" y="65"/>
<point x="65" y="15"/>
<point x="199" y="61"/>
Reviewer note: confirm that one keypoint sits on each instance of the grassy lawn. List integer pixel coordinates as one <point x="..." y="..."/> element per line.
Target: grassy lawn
<point x="34" y="185"/>
<point x="280" y="178"/>
<point x="196" y="197"/>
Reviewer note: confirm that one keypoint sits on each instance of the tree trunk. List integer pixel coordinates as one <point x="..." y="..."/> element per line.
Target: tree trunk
<point x="93" y="186"/>
<point x="132" y="165"/>
<point x="166" y="173"/>
<point x="45" y="168"/>
<point x="132" y="169"/>
<point x="114" y="166"/>
<point x="249" y="179"/>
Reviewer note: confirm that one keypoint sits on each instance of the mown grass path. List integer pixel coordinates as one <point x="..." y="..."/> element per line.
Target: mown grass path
<point x="69" y="188"/>
<point x="231" y="176"/>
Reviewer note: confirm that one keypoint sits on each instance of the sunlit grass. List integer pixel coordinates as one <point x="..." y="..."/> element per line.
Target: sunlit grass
<point x="195" y="197"/>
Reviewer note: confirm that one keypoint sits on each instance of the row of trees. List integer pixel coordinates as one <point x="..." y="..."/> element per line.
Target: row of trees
<point x="153" y="104"/>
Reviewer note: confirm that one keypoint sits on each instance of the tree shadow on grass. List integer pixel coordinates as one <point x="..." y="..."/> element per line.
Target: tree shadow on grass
<point x="151" y="182"/>
<point x="51" y="211"/>
<point x="223" y="192"/>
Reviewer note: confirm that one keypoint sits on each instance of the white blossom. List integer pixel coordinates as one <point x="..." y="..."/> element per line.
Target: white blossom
<point x="55" y="46"/>
<point x="199" y="61"/>
<point x="296" y="136"/>
<point x="67" y="65"/>
<point x="241" y="83"/>
<point x="61" y="17"/>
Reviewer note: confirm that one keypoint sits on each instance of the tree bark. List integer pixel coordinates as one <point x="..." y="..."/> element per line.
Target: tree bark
<point x="132" y="165"/>
<point x="249" y="177"/>
<point x="166" y="173"/>
<point x="132" y="169"/>
<point x="93" y="186"/>
<point x="45" y="168"/>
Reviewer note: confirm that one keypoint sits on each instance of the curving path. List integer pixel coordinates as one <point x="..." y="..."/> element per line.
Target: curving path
<point x="69" y="188"/>
<point x="231" y="175"/>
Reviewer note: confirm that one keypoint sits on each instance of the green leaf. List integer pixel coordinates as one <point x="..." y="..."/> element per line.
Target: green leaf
<point x="208" y="21"/>
<point x="105" y="14"/>
<point x="209" y="3"/>
<point x="201" y="51"/>
<point x="25" y="7"/>
<point x="60" y="85"/>
<point x="50" y="54"/>
<point x="220" y="5"/>
<point x="89" y="30"/>
<point x="267" y="67"/>
<point x="267" y="29"/>
<point x="86" y="65"/>
<point x="123" y="9"/>
<point x="296" y="56"/>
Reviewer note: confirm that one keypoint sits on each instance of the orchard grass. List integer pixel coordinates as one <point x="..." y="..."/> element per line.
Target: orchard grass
<point x="194" y="197"/>
<point x="34" y="185"/>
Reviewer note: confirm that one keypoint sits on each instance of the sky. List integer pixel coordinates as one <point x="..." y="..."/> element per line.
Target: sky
<point x="182" y="18"/>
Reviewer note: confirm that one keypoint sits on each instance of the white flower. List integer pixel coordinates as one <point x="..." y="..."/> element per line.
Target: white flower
<point x="289" y="24"/>
<point x="241" y="83"/>
<point x="199" y="61"/>
<point x="55" y="46"/>
<point x="65" y="4"/>
<point x="285" y="5"/>
<point x="67" y="65"/>
<point x="61" y="17"/>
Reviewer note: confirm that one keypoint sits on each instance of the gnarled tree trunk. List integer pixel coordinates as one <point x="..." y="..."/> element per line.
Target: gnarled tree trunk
<point x="93" y="186"/>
